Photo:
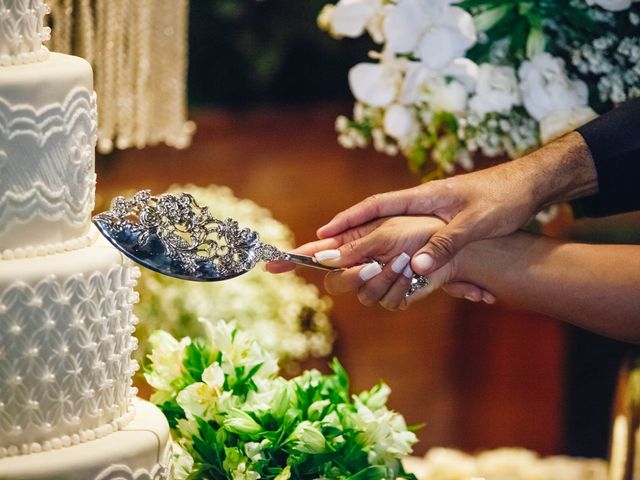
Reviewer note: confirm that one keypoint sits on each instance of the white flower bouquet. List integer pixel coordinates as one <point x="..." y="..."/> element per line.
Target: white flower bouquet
<point x="234" y="417"/>
<point x="285" y="313"/>
<point x="498" y="77"/>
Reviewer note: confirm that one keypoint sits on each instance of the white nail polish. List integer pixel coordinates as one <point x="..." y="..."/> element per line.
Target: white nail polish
<point x="408" y="272"/>
<point x="369" y="271"/>
<point x="423" y="262"/>
<point x="325" y="255"/>
<point x="400" y="262"/>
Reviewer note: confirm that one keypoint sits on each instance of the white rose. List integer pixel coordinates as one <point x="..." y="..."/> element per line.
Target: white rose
<point x="613" y="5"/>
<point x="558" y="123"/>
<point x="496" y="90"/>
<point x="546" y="88"/>
<point x="400" y="123"/>
<point x="433" y="30"/>
<point x="375" y="84"/>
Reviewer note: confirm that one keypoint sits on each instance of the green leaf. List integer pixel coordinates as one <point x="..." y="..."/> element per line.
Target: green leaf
<point x="172" y="411"/>
<point x="198" y="355"/>
<point x="374" y="472"/>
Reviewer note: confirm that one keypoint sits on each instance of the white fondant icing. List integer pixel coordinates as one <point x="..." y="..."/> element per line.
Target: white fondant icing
<point x="65" y="349"/>
<point x="50" y="249"/>
<point x="47" y="178"/>
<point x="22" y="31"/>
<point x="139" y="451"/>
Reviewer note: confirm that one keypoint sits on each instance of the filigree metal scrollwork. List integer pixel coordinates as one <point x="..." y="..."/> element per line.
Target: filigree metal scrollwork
<point x="188" y="232"/>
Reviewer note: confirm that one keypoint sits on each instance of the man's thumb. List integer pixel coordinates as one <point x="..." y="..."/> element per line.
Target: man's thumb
<point x="440" y="249"/>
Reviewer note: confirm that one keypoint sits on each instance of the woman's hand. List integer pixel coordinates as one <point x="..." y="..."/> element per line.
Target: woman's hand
<point x="390" y="241"/>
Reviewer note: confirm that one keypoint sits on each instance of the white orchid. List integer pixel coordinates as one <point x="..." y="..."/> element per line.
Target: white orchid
<point x="351" y="18"/>
<point x="497" y="90"/>
<point x="376" y="84"/>
<point x="432" y="30"/>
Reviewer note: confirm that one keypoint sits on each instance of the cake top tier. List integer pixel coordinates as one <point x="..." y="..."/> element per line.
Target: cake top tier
<point x="22" y="31"/>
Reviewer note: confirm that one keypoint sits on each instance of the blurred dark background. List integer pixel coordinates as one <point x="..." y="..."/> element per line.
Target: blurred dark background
<point x="266" y="52"/>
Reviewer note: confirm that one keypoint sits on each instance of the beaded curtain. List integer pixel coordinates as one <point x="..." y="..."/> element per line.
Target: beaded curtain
<point x="138" y="50"/>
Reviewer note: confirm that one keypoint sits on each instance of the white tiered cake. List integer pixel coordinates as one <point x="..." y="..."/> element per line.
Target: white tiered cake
<point x="67" y="407"/>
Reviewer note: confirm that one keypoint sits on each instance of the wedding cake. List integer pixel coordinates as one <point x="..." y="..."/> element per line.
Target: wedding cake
<point x="67" y="405"/>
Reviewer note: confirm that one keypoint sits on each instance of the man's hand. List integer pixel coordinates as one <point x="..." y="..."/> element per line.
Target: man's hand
<point x="483" y="204"/>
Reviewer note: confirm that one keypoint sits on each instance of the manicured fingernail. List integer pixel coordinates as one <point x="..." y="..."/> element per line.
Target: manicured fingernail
<point x="423" y="262"/>
<point x="408" y="272"/>
<point x="488" y="298"/>
<point x="369" y="271"/>
<point x="325" y="255"/>
<point x="400" y="262"/>
<point x="471" y="298"/>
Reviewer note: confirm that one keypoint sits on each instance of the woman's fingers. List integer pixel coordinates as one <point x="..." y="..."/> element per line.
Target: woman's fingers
<point x="469" y="291"/>
<point x="375" y="288"/>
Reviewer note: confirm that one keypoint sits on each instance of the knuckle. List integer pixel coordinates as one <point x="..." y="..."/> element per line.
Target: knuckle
<point x="443" y="246"/>
<point x="365" y="298"/>
<point x="390" y="304"/>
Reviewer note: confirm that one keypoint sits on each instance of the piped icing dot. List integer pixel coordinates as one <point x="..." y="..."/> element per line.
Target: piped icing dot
<point x="35" y="447"/>
<point x="56" y="443"/>
<point x="15" y="329"/>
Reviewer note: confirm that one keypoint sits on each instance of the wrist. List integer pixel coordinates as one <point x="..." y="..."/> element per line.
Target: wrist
<point x="560" y="171"/>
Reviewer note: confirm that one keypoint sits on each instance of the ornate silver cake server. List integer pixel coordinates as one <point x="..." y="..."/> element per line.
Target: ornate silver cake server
<point x="173" y="235"/>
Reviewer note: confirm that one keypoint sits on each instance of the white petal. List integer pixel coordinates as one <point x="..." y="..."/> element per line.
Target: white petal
<point x="462" y="22"/>
<point x="399" y="122"/>
<point x="373" y="84"/>
<point x="349" y="17"/>
<point x="440" y="45"/>
<point x="213" y="376"/>
<point x="404" y="25"/>
<point x="464" y="70"/>
<point x="414" y="80"/>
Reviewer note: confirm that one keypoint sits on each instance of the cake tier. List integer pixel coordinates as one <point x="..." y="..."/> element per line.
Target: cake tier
<point x="140" y="451"/>
<point x="22" y="31"/>
<point x="65" y="348"/>
<point x="47" y="160"/>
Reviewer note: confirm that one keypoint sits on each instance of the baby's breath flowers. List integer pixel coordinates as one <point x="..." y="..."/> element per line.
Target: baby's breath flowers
<point x="286" y="314"/>
<point x="234" y="417"/>
<point x="495" y="77"/>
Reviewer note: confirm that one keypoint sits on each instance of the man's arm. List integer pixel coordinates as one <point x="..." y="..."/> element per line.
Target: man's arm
<point x="614" y="142"/>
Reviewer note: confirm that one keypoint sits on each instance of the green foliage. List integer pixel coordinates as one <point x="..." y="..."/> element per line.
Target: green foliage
<point x="234" y="417"/>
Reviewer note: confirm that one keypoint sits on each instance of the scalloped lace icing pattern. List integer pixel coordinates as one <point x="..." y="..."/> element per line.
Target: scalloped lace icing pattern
<point x="65" y="359"/>
<point x="47" y="161"/>
<point x="22" y="31"/>
<point x="123" y="472"/>
<point x="162" y="470"/>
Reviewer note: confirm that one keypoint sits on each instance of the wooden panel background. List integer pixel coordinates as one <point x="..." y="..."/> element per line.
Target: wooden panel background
<point x="478" y="376"/>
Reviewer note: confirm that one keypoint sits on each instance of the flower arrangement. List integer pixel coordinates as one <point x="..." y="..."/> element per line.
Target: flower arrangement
<point x="234" y="417"/>
<point x="285" y="313"/>
<point x="497" y="77"/>
<point x="502" y="463"/>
